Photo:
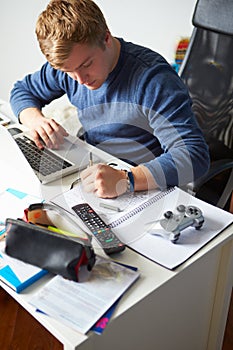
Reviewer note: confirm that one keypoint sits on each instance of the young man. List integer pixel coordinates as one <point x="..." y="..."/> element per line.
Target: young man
<point x="130" y="102"/>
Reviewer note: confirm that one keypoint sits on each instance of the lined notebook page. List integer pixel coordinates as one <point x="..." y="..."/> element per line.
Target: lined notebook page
<point x="129" y="204"/>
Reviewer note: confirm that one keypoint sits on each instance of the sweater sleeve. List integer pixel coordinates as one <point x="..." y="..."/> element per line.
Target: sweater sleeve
<point x="185" y="155"/>
<point x="37" y="89"/>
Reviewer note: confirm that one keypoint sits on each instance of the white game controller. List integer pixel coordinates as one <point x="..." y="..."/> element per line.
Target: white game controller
<point x="186" y="216"/>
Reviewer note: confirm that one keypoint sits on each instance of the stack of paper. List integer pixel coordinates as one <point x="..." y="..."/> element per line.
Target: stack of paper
<point x="17" y="274"/>
<point x="86" y="302"/>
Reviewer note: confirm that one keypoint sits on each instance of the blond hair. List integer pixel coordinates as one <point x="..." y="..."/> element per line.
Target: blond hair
<point x="66" y="22"/>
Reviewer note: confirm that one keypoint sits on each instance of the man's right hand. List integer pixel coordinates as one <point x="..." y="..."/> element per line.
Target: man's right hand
<point x="44" y="131"/>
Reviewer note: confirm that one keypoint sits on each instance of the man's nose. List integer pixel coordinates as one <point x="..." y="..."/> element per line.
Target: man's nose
<point x="81" y="78"/>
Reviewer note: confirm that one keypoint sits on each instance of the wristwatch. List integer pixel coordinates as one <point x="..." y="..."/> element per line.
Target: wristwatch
<point x="130" y="181"/>
<point x="129" y="175"/>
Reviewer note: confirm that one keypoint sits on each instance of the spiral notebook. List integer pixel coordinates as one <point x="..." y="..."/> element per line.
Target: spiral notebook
<point x="135" y="213"/>
<point x="113" y="211"/>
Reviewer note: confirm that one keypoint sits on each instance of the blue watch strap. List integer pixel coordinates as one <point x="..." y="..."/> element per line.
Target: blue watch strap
<point x="131" y="181"/>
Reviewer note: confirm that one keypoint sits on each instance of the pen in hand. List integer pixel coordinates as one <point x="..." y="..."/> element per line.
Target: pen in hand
<point x="90" y="159"/>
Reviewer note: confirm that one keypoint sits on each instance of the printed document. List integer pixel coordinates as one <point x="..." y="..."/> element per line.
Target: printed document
<point x="81" y="305"/>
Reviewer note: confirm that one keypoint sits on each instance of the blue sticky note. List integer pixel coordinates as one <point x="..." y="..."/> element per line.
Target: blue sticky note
<point x="2" y="231"/>
<point x="16" y="193"/>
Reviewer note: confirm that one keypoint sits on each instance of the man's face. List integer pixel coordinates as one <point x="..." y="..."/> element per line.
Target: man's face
<point x="89" y="65"/>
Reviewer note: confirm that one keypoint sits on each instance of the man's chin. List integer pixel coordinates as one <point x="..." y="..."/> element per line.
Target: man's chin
<point x="89" y="87"/>
<point x="93" y="86"/>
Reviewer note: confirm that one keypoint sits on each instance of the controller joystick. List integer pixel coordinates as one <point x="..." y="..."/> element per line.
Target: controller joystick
<point x="185" y="217"/>
<point x="168" y="214"/>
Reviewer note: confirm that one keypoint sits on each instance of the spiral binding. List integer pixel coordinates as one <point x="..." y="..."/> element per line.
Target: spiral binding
<point x="140" y="207"/>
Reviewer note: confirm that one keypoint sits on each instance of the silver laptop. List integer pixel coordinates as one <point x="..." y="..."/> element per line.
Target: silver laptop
<point x="50" y="165"/>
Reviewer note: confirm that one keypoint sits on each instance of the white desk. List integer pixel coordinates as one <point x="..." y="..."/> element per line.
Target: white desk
<point x="182" y="309"/>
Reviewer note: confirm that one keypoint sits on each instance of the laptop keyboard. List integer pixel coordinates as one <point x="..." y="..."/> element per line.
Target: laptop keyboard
<point x="42" y="161"/>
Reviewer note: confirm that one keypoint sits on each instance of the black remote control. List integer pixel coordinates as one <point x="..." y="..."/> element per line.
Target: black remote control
<point x="101" y="231"/>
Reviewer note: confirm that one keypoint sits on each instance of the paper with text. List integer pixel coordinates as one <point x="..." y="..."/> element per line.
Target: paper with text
<point x="128" y="204"/>
<point x="81" y="305"/>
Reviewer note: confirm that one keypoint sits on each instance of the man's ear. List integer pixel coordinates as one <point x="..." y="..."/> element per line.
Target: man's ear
<point x="107" y="40"/>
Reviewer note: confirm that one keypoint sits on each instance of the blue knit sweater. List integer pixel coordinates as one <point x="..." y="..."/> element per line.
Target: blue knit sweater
<point x="142" y="113"/>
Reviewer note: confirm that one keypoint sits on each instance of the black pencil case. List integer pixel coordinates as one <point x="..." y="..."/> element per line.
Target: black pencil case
<point x="56" y="253"/>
